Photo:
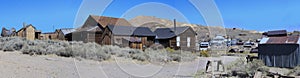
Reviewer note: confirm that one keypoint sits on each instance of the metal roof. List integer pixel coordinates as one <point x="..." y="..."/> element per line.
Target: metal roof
<point x="67" y="30"/>
<point x="281" y="40"/>
<point x="131" y="31"/>
<point x="165" y="33"/>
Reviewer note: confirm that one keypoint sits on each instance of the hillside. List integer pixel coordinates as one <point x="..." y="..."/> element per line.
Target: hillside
<point x="204" y="32"/>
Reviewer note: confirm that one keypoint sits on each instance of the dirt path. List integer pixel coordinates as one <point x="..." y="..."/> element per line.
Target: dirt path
<point x="17" y="65"/>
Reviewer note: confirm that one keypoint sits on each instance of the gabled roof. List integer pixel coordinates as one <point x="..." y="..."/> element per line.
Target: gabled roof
<point x="281" y="40"/>
<point x="106" y="21"/>
<point x="90" y="28"/>
<point x="143" y="31"/>
<point x="131" y="31"/>
<point x="165" y="33"/>
<point x="26" y="27"/>
<point x="67" y="30"/>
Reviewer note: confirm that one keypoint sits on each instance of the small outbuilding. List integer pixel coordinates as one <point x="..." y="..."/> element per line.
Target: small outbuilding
<point x="280" y="51"/>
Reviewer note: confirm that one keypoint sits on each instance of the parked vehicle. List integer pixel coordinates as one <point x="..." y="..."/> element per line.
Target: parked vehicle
<point x="204" y="45"/>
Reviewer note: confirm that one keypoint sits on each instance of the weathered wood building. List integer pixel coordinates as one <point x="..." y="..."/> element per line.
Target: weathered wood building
<point x="8" y="33"/>
<point x="94" y="26"/>
<point x="127" y="36"/>
<point x="29" y="32"/>
<point x="183" y="38"/>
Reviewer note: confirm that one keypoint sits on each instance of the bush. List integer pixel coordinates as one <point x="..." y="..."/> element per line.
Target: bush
<point x="157" y="55"/>
<point x="91" y="51"/>
<point x="11" y="44"/>
<point x="170" y="49"/>
<point x="239" y="68"/>
<point x="204" y="53"/>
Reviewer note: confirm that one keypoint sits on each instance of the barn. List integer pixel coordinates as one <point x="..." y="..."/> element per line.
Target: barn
<point x="183" y="38"/>
<point x="280" y="50"/>
<point x="94" y="26"/>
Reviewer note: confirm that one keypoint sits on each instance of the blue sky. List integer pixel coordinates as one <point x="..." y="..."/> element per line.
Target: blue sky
<point x="46" y="15"/>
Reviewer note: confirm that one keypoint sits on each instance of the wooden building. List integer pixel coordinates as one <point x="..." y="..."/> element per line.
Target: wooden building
<point x="62" y="34"/>
<point x="8" y="33"/>
<point x="179" y="38"/>
<point x="127" y="36"/>
<point x="48" y="36"/>
<point x="29" y="32"/>
<point x="94" y="26"/>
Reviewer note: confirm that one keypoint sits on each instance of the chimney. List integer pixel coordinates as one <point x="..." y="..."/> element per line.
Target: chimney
<point x="174" y="25"/>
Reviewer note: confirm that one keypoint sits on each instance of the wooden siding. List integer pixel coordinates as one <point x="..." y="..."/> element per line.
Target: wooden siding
<point x="27" y="32"/>
<point x="172" y="43"/>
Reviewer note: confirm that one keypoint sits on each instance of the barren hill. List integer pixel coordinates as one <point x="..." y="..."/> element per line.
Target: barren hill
<point x="204" y="32"/>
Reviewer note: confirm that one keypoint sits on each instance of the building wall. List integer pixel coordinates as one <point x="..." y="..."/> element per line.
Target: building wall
<point x="184" y="42"/>
<point x="20" y="33"/>
<point x="60" y="35"/>
<point x="30" y="33"/>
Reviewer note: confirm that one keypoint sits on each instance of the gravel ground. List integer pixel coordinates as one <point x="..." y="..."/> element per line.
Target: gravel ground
<point x="17" y="65"/>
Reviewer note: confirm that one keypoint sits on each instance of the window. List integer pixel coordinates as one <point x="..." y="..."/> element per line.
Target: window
<point x="188" y="40"/>
<point x="178" y="41"/>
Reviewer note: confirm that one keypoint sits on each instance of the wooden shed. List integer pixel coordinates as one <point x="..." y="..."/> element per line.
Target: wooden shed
<point x="179" y="38"/>
<point x="29" y="32"/>
<point x="127" y="36"/>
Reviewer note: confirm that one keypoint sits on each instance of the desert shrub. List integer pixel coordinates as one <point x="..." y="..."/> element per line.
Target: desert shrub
<point x="182" y="56"/>
<point x="32" y="50"/>
<point x="240" y="68"/>
<point x="170" y="49"/>
<point x="157" y="55"/>
<point x="204" y="53"/>
<point x="140" y="56"/>
<point x="295" y="71"/>
<point x="11" y="43"/>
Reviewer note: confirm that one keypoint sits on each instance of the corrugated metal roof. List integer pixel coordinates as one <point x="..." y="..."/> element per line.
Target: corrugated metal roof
<point x="67" y="30"/>
<point x="281" y="40"/>
<point x="264" y="40"/>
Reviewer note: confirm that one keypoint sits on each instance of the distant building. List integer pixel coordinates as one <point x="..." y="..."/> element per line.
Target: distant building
<point x="29" y="32"/>
<point x="218" y="40"/>
<point x="8" y="33"/>
<point x="183" y="38"/>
